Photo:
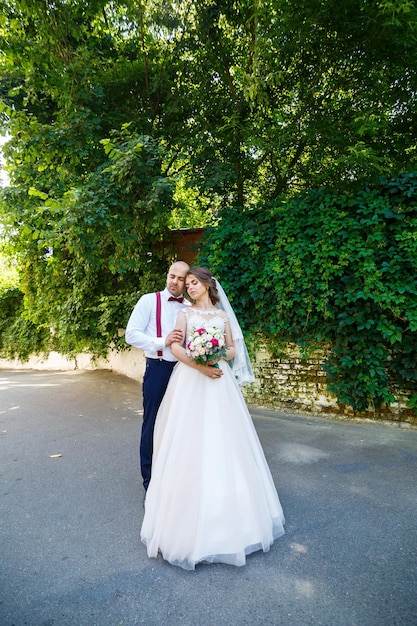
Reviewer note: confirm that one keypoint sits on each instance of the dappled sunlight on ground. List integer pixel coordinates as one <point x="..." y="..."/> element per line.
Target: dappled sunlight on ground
<point x="298" y="547"/>
<point x="7" y="383"/>
<point x="298" y="453"/>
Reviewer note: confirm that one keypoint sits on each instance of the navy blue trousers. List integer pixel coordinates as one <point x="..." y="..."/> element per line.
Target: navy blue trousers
<point x="155" y="382"/>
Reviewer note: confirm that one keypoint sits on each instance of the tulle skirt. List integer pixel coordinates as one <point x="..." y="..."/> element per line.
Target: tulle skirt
<point x="211" y="497"/>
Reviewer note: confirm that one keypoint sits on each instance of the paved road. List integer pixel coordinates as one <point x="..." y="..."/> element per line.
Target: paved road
<point x="70" y="549"/>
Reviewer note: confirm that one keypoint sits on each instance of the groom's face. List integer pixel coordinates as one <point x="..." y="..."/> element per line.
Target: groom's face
<point x="176" y="278"/>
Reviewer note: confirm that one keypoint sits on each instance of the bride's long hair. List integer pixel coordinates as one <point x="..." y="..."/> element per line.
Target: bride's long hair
<point x="204" y="276"/>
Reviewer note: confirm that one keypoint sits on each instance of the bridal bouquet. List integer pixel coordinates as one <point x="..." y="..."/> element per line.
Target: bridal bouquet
<point x="206" y="344"/>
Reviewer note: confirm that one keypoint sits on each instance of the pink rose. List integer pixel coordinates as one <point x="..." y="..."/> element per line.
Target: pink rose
<point x="200" y="331"/>
<point x="214" y="342"/>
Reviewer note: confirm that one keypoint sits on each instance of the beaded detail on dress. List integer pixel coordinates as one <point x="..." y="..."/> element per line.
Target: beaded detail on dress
<point x="190" y="311"/>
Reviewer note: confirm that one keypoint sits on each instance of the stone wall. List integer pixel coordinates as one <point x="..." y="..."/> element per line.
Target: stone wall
<point x="299" y="384"/>
<point x="288" y="382"/>
<point x="130" y="363"/>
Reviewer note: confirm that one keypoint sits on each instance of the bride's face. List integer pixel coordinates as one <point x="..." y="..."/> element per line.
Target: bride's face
<point x="194" y="287"/>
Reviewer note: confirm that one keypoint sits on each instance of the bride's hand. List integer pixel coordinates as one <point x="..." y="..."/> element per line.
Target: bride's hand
<point x="210" y="371"/>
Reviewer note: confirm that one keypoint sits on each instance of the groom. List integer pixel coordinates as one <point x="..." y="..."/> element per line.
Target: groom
<point x="150" y="328"/>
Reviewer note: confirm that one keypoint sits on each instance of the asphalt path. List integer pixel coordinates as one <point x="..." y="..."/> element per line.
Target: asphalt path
<point x="71" y="511"/>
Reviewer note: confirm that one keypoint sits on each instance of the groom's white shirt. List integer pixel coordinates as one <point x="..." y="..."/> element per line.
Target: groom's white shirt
<point x="141" y="327"/>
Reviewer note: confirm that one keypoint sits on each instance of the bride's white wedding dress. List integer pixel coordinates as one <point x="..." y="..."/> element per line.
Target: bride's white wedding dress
<point x="211" y="497"/>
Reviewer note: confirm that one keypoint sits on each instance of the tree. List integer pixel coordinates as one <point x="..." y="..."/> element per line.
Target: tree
<point x="332" y="92"/>
<point x="279" y="96"/>
<point x="86" y="203"/>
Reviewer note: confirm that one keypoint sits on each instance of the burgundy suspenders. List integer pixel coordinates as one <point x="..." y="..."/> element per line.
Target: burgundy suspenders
<point x="158" y="320"/>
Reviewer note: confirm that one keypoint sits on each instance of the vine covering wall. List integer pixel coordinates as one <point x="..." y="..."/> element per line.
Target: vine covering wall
<point x="336" y="269"/>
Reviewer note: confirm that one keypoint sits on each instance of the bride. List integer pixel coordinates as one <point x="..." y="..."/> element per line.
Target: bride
<point x="211" y="497"/>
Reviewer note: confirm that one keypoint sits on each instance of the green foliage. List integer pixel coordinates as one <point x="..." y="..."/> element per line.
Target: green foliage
<point x="85" y="253"/>
<point x="190" y="210"/>
<point x="9" y="276"/>
<point x="250" y="100"/>
<point x="19" y="337"/>
<point x="332" y="269"/>
<point x="329" y="87"/>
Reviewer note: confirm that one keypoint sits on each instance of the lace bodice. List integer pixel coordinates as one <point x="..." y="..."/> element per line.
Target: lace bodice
<point x="199" y="318"/>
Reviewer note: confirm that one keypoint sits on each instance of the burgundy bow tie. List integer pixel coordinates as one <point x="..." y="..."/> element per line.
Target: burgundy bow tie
<point x="172" y="299"/>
